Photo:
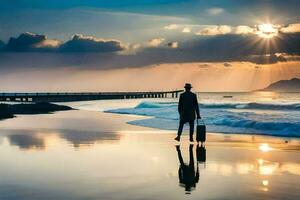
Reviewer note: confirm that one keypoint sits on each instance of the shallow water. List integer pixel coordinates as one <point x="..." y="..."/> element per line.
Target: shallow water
<point x="94" y="155"/>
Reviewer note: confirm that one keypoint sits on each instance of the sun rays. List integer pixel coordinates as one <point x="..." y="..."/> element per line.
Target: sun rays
<point x="267" y="30"/>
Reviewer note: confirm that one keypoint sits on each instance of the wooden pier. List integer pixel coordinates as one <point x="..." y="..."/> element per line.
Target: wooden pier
<point x="84" y="96"/>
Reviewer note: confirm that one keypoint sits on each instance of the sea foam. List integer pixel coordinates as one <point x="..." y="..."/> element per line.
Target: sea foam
<point x="280" y="119"/>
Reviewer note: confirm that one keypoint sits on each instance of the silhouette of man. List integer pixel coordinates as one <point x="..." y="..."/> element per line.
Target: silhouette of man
<point x="187" y="108"/>
<point x="186" y="173"/>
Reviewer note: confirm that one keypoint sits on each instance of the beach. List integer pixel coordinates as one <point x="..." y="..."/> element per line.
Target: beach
<point x="82" y="154"/>
<point x="149" y="100"/>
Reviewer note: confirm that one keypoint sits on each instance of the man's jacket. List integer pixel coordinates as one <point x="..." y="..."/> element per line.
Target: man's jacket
<point x="188" y="107"/>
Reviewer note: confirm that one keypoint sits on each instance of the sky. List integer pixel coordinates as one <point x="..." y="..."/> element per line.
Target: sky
<point x="128" y="45"/>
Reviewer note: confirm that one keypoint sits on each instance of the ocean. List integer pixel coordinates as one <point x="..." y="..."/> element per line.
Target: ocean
<point x="260" y="113"/>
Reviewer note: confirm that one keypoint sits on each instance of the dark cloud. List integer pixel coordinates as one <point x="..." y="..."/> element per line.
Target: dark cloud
<point x="26" y="42"/>
<point x="80" y="43"/>
<point x="30" y="42"/>
<point x="235" y="46"/>
<point x="224" y="48"/>
<point x="220" y="48"/>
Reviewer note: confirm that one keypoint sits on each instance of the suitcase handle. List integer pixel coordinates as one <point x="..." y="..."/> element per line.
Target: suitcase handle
<point x="201" y="121"/>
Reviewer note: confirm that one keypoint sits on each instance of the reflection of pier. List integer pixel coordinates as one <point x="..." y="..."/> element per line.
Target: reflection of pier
<point x="84" y="96"/>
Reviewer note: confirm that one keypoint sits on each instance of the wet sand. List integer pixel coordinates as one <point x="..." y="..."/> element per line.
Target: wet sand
<point x="94" y="155"/>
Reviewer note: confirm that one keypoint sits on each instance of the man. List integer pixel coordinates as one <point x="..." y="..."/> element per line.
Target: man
<point x="187" y="108"/>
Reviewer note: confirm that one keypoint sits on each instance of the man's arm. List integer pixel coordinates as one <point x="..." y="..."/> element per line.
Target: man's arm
<point x="197" y="107"/>
<point x="180" y="104"/>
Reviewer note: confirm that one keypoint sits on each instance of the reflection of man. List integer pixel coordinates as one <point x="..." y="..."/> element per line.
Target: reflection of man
<point x="186" y="173"/>
<point x="187" y="108"/>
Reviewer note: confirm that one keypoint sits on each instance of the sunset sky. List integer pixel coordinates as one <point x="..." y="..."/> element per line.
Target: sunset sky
<point x="122" y="45"/>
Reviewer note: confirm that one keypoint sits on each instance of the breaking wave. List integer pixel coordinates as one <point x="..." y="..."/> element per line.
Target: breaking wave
<point x="255" y="118"/>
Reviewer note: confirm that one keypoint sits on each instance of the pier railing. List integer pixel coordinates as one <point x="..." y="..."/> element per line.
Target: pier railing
<point x="84" y="96"/>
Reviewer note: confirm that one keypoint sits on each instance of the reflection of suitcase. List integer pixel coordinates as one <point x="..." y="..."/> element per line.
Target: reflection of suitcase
<point x="201" y="131"/>
<point x="201" y="153"/>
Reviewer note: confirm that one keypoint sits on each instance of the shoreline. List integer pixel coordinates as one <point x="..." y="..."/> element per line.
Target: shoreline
<point x="157" y="130"/>
<point x="124" y="128"/>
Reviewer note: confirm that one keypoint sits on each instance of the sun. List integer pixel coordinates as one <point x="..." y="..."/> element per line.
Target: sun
<point x="267" y="30"/>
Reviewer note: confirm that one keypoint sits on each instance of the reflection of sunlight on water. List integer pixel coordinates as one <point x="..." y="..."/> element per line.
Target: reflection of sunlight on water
<point x="244" y="168"/>
<point x="291" y="168"/>
<point x="265" y="182"/>
<point x="260" y="161"/>
<point x="266" y="167"/>
<point x="266" y="95"/>
<point x="261" y="167"/>
<point x="222" y="169"/>
<point x="265" y="147"/>
<point x="225" y="170"/>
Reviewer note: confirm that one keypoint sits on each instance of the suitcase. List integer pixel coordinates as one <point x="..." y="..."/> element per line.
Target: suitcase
<point x="201" y="131"/>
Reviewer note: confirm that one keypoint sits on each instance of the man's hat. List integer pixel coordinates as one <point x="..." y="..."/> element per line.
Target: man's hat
<point x="188" y="85"/>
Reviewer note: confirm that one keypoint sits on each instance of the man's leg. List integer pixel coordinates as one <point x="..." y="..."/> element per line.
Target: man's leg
<point x="192" y="124"/>
<point x="179" y="132"/>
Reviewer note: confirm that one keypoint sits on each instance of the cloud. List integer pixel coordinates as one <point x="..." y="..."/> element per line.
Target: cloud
<point x="227" y="48"/>
<point x="215" y="11"/>
<point x="173" y="45"/>
<point x="215" y="30"/>
<point x="243" y="29"/>
<point x="234" y="46"/>
<point x="155" y="42"/>
<point x="218" y="48"/>
<point x="48" y="44"/>
<point x="80" y="43"/>
<point x="171" y="27"/>
<point x="133" y="48"/>
<point x="291" y="28"/>
<point x="287" y="57"/>
<point x="31" y="42"/>
<point x="186" y="30"/>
